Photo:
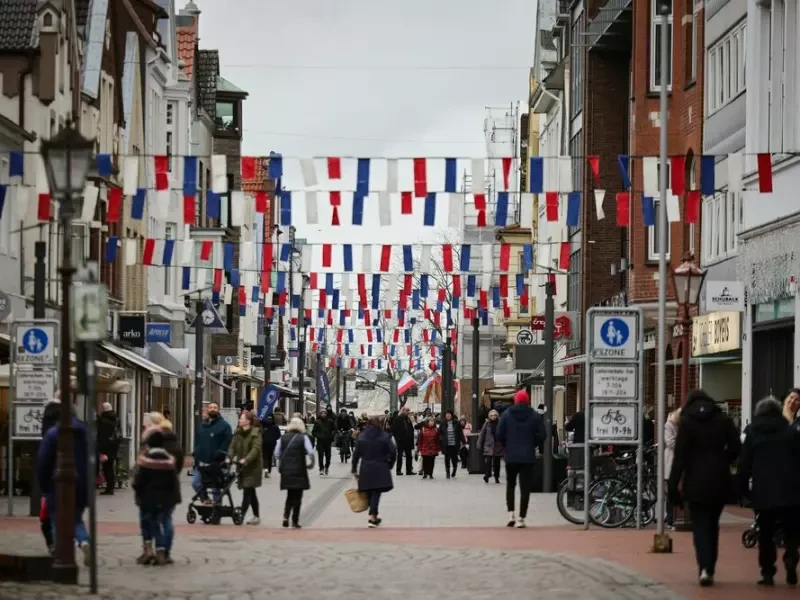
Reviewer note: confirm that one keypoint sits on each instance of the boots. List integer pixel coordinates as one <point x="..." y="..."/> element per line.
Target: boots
<point x="161" y="557"/>
<point x="147" y="555"/>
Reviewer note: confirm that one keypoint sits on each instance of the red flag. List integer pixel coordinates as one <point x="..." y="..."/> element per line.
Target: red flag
<point x="248" y="167"/>
<point x="480" y="201"/>
<point x="396" y="337"/>
<point x="149" y="249"/>
<point x="266" y="258"/>
<point x="386" y="256"/>
<point x="334" y="168"/>
<point x="693" y="206"/>
<point x="323" y="297"/>
<point x="162" y="181"/>
<point x="406" y="204"/>
<point x="447" y="258"/>
<point x="506" y="171"/>
<point x="551" y="279"/>
<point x="408" y="282"/>
<point x="484" y="299"/>
<point x="205" y="249"/>
<point x="623" y="209"/>
<point x="242" y="296"/>
<point x="335" y="217"/>
<point x="594" y="165"/>
<point x="312" y="281"/>
<point x="504" y="286"/>
<point x="563" y="259"/>
<point x="678" y="175"/>
<point x="481" y="218"/>
<point x="420" y="177"/>
<point x="457" y="286"/>
<point x="43" y="212"/>
<point x="326" y="255"/>
<point x="115" y="205"/>
<point x="262" y="203"/>
<point x="217" y="280"/>
<point x="551" y="204"/>
<point x="336" y="198"/>
<point x="765" y="173"/>
<point x="505" y="256"/>
<point x="362" y="284"/>
<point x="506" y="310"/>
<point x="161" y="164"/>
<point x="188" y="210"/>
<point x="442" y="295"/>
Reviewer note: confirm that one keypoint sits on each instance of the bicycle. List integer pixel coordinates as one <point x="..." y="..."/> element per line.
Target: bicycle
<point x="613" y="499"/>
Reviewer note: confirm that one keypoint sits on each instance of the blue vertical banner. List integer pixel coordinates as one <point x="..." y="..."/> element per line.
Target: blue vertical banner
<point x="267" y="401"/>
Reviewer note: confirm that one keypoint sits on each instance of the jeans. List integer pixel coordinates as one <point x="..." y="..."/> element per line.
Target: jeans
<point x="525" y="474"/>
<point x="81" y="535"/>
<point x="199" y="488"/>
<point x="769" y="522"/>
<point x="427" y="465"/>
<point x="249" y="498"/>
<point x="492" y="467"/>
<point x="294" y="501"/>
<point x="401" y="452"/>
<point x="705" y="531"/>
<point x="451" y="459"/>
<point x="374" y="501"/>
<point x="156" y="526"/>
<point x="324" y="454"/>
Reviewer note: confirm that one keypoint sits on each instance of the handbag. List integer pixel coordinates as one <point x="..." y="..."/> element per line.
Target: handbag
<point x="358" y="501"/>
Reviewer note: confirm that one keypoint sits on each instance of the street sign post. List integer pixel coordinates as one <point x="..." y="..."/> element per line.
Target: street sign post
<point x="90" y="312"/>
<point x="614" y="389"/>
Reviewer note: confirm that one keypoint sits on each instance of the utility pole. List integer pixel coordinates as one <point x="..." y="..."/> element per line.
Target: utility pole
<point x="301" y="346"/>
<point x="549" y="326"/>
<point x="476" y="359"/>
<point x="199" y="367"/>
<point x="338" y="385"/>
<point x="267" y="343"/>
<point x="39" y="293"/>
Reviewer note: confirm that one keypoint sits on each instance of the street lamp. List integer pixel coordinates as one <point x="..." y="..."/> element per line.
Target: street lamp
<point x="688" y="281"/>
<point x="67" y="158"/>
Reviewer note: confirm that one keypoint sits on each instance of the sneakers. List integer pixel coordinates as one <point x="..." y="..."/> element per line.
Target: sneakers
<point x="706" y="579"/>
<point x="512" y="520"/>
<point x="87" y="553"/>
<point x="372" y="524"/>
<point x="521" y="523"/>
<point x="254" y="521"/>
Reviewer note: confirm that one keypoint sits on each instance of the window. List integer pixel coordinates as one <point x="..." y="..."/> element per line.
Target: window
<point x="652" y="231"/>
<point x="170" y="119"/>
<point x="198" y="206"/>
<point x="6" y="218"/>
<point x="656" y="31"/>
<point x="692" y="186"/>
<point x="576" y="63"/>
<point x="780" y="36"/>
<point x="722" y="222"/>
<point x="169" y="234"/>
<point x="574" y="289"/>
<point x="691" y="41"/>
<point x="226" y="116"/>
<point x="726" y="75"/>
<point x="79" y="235"/>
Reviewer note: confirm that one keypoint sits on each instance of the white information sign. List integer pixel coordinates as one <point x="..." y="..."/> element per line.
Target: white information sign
<point x="614" y="382"/>
<point x="613" y="422"/>
<point x="35" y="344"/>
<point x="28" y="420"/>
<point x="35" y="385"/>
<point x="614" y="337"/>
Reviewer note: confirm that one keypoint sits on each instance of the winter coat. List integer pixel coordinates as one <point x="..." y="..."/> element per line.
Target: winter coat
<point x="403" y="432"/>
<point x="270" y="434"/>
<point x="771" y="455"/>
<point x="172" y="446"/>
<point x="375" y="453"/>
<point x="670" y="437"/>
<point x="706" y="445"/>
<point x="324" y="431"/>
<point x="292" y="466"/>
<point x="521" y="430"/>
<point x="46" y="465"/>
<point x="577" y="425"/>
<point x="108" y="434"/>
<point x="211" y="441"/>
<point x="155" y="480"/>
<point x="487" y="440"/>
<point x="343" y="422"/>
<point x="459" y="433"/>
<point x="428" y="441"/>
<point x="246" y="445"/>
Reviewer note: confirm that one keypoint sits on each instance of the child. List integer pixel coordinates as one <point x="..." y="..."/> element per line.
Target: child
<point x="155" y="485"/>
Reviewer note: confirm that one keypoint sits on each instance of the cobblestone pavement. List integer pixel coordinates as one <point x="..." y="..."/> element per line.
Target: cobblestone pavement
<point x="215" y="569"/>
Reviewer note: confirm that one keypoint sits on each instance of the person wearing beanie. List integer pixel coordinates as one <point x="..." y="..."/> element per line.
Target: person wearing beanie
<point x="520" y="431"/>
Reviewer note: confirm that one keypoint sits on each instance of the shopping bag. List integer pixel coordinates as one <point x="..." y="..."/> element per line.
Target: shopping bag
<point x="358" y="501"/>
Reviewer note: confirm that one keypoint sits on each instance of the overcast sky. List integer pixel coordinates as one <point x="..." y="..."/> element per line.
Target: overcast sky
<point x="370" y="78"/>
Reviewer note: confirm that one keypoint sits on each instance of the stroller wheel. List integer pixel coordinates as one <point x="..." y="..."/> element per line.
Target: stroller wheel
<point x="238" y="517"/>
<point x="750" y="538"/>
<point x="191" y="516"/>
<point x="215" y="518"/>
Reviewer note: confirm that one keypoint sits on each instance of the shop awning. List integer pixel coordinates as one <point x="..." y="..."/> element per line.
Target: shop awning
<point x="160" y="376"/>
<point x="731" y="358"/>
<point x="174" y="360"/>
<point x="218" y="382"/>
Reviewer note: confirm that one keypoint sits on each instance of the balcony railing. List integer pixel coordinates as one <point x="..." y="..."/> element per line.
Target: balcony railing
<point x="611" y="28"/>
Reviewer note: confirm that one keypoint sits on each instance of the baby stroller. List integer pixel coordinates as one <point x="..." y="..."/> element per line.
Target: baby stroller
<point x="217" y="481"/>
<point x="750" y="536"/>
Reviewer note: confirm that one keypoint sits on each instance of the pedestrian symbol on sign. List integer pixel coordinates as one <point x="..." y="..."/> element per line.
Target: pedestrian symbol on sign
<point x="615" y="332"/>
<point x="35" y="342"/>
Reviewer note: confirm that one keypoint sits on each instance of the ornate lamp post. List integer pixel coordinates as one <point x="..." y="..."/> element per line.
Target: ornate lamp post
<point x="67" y="158"/>
<point x="688" y="280"/>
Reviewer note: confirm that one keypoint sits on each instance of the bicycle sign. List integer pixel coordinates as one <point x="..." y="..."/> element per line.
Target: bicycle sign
<point x="28" y="420"/>
<point x="613" y="422"/>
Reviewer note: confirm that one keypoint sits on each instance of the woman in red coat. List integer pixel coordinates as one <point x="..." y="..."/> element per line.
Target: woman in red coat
<point x="428" y="446"/>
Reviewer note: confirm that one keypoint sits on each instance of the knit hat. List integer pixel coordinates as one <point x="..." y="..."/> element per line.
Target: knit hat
<point x="521" y="397"/>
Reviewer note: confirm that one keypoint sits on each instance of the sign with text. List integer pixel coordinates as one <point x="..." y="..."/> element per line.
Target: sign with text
<point x="28" y="420"/>
<point x="131" y="330"/>
<point x="159" y="332"/>
<point x="35" y="343"/>
<point x="724" y="296"/>
<point x="566" y="326"/>
<point x="614" y="422"/>
<point x="614" y="382"/>
<point x="614" y="337"/>
<point x="716" y="332"/>
<point x="35" y="386"/>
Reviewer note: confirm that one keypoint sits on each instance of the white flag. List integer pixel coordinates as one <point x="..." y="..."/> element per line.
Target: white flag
<point x="599" y="196"/>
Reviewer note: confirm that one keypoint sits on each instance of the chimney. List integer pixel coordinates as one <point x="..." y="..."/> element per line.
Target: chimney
<point x="191" y="10"/>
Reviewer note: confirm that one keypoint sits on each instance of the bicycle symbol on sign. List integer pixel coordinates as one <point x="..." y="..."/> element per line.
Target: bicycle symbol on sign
<point x="613" y="415"/>
<point x="33" y="415"/>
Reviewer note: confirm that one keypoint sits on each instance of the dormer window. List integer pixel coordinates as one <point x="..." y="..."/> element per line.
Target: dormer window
<point x="227" y="115"/>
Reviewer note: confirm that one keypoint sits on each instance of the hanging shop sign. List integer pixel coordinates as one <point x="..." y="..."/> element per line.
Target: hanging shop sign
<point x="724" y="296"/>
<point x="567" y="327"/>
<point x="131" y="330"/>
<point x="159" y="332"/>
<point x="716" y="332"/>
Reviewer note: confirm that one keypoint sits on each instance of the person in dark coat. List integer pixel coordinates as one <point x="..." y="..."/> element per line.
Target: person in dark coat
<point x="577" y="425"/>
<point x="376" y="454"/>
<point x="403" y="433"/>
<point x="291" y="452"/>
<point x="52" y="413"/>
<point x="108" y="440"/>
<point x="324" y="432"/>
<point x="211" y="442"/>
<point x="706" y="446"/>
<point x="521" y="430"/>
<point x="451" y="436"/>
<point x="770" y="456"/>
<point x="172" y="446"/>
<point x="491" y="449"/>
<point x="270" y="434"/>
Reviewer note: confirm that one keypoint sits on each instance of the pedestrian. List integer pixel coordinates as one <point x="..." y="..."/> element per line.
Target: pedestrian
<point x="108" y="439"/>
<point x="324" y="431"/>
<point x="428" y="447"/>
<point x="270" y="434"/>
<point x="211" y="442"/>
<point x="155" y="491"/>
<point x="46" y="476"/>
<point x="246" y="452"/>
<point x="670" y="437"/>
<point x="451" y="439"/>
<point x="463" y="452"/>
<point x="172" y="446"/>
<point x="490" y="447"/>
<point x="376" y="454"/>
<point x="520" y="430"/>
<point x="292" y="452"/>
<point x="791" y="406"/>
<point x="770" y="456"/>
<point x="50" y="417"/>
<point x="706" y="446"/>
<point x="403" y="433"/>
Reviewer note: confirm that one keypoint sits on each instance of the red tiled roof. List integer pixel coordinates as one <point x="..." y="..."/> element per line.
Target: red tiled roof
<point x="187" y="39"/>
<point x="260" y="183"/>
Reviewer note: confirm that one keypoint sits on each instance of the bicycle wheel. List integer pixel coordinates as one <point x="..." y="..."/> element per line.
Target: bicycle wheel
<point x="612" y="502"/>
<point x="570" y="503"/>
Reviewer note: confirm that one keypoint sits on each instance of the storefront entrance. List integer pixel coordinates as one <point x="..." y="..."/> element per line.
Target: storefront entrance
<point x="773" y="359"/>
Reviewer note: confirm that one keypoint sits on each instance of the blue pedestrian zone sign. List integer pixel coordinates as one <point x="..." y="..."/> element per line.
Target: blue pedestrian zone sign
<point x="614" y="337"/>
<point x="615" y="332"/>
<point x="34" y="343"/>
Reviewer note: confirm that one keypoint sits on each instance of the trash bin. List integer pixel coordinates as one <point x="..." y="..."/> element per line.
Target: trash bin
<point x="475" y="459"/>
